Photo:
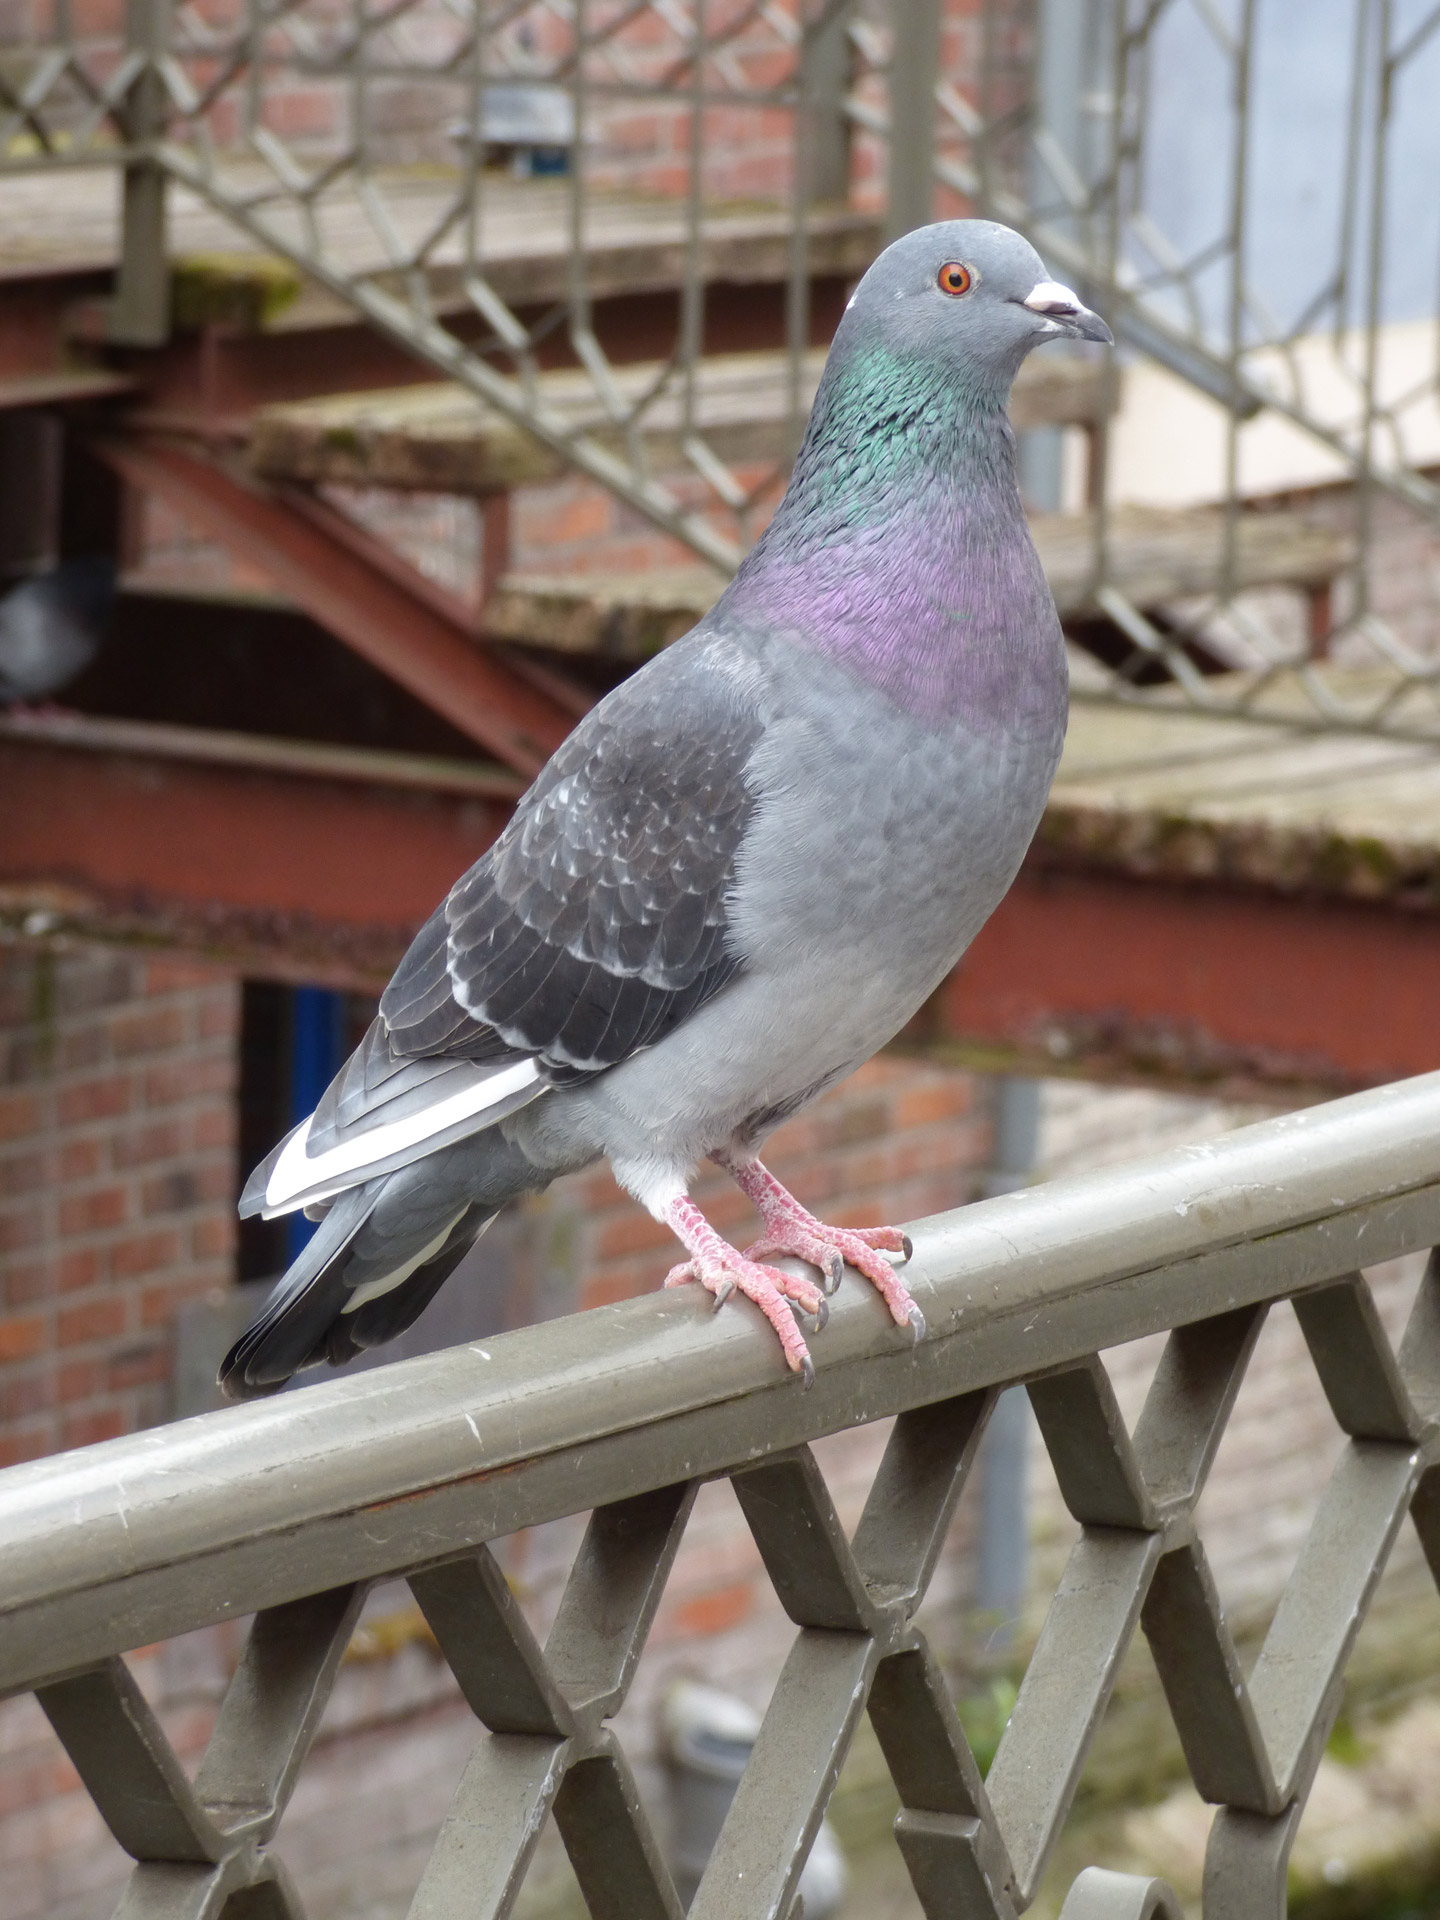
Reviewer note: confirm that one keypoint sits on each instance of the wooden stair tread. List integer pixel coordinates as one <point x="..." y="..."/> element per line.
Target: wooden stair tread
<point x="1162" y="554"/>
<point x="67" y="222"/>
<point x="440" y="437"/>
<point x="1157" y="556"/>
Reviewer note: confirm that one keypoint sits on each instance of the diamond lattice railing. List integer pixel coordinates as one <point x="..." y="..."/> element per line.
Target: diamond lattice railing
<point x="164" y="1532"/>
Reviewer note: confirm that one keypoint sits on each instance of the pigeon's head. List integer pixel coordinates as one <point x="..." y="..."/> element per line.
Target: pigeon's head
<point x="968" y="293"/>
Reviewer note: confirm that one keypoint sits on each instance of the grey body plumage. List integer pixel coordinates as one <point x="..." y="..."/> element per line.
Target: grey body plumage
<point x="749" y="865"/>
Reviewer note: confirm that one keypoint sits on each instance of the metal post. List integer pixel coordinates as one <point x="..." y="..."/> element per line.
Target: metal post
<point x="914" y="69"/>
<point x="1068" y="41"/>
<point x="140" y="312"/>
<point x="825" y="80"/>
<point x="1002" y="1551"/>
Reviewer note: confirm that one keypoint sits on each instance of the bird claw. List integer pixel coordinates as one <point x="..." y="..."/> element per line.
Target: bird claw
<point x="784" y="1299"/>
<point x="807" y="1373"/>
<point x="917" y="1323"/>
<point x="814" y="1322"/>
<point x="803" y="1237"/>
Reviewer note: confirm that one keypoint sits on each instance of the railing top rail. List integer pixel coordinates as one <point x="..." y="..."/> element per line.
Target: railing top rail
<point x="134" y="1539"/>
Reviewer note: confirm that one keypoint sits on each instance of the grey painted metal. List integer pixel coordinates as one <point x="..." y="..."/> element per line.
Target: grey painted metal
<point x="290" y="1508"/>
<point x="140" y="312"/>
<point x="1002" y="1549"/>
<point x="914" y="64"/>
<point x="1099" y="1894"/>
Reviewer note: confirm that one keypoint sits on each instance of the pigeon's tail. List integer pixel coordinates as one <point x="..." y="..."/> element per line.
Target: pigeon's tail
<point x="377" y="1259"/>
<point x="378" y="1121"/>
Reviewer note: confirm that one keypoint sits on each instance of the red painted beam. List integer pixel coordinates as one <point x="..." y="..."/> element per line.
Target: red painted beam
<point x="320" y="874"/>
<point x="318" y="863"/>
<point x="1195" y="984"/>
<point x="401" y="628"/>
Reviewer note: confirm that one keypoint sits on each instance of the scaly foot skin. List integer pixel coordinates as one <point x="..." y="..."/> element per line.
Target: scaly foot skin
<point x="722" y="1271"/>
<point x="790" y="1229"/>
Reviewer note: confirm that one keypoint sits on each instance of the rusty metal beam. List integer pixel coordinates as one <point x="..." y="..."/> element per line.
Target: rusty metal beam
<point x="63" y="386"/>
<point x="1199" y="986"/>
<point x="297" y="862"/>
<point x="245" y="850"/>
<point x="402" y="626"/>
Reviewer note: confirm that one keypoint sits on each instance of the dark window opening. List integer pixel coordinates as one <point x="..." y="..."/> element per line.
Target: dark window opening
<point x="293" y="1041"/>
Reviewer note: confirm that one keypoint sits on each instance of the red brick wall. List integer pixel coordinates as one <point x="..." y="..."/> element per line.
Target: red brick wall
<point x="117" y="1183"/>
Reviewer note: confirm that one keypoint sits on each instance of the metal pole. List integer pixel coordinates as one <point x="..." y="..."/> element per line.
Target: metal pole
<point x="1062" y="35"/>
<point x="914" y="69"/>
<point x="1065" y="157"/>
<point x="1002" y="1551"/>
<point x="824" y="83"/>
<point x="140" y="311"/>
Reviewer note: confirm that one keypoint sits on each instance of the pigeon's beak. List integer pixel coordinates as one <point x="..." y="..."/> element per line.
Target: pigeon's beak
<point x="1060" y="305"/>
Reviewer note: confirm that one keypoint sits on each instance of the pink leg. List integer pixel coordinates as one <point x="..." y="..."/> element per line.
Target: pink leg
<point x="718" y="1267"/>
<point x="790" y="1229"/>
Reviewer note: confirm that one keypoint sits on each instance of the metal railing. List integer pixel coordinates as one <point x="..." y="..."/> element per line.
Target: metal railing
<point x="1257" y="226"/>
<point x="291" y="1508"/>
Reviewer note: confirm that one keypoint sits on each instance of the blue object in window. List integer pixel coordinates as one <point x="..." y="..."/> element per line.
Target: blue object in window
<point x="317" y="1047"/>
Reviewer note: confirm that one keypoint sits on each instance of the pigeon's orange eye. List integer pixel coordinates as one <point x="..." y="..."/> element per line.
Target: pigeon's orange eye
<point x="954" y="278"/>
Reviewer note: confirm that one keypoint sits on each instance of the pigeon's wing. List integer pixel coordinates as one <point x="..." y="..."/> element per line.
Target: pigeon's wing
<point x="595" y="924"/>
<point x="599" y="919"/>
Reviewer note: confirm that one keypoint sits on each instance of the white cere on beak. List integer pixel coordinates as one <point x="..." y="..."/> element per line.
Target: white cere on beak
<point x="1050" y="297"/>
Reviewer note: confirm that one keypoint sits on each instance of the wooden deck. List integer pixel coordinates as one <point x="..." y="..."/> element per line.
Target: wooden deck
<point x="1183" y="795"/>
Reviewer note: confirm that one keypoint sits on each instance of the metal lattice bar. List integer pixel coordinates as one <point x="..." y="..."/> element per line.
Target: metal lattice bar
<point x="1065" y="1691"/>
<point x="1209" y="1701"/>
<point x="627" y="1410"/>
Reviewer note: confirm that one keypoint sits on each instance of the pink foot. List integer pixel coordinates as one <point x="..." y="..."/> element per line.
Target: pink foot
<point x="723" y="1271"/>
<point x="790" y="1229"/>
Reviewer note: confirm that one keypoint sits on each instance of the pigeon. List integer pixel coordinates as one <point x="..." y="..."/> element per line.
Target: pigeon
<point x="52" y="626"/>
<point x="746" y="868"/>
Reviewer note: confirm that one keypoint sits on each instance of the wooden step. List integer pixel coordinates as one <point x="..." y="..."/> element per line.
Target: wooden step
<point x="1157" y="557"/>
<point x="440" y="438"/>
<point x="68" y="221"/>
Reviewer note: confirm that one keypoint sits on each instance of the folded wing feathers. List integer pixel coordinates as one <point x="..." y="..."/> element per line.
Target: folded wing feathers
<point x="294" y="1178"/>
<point x="595" y="925"/>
